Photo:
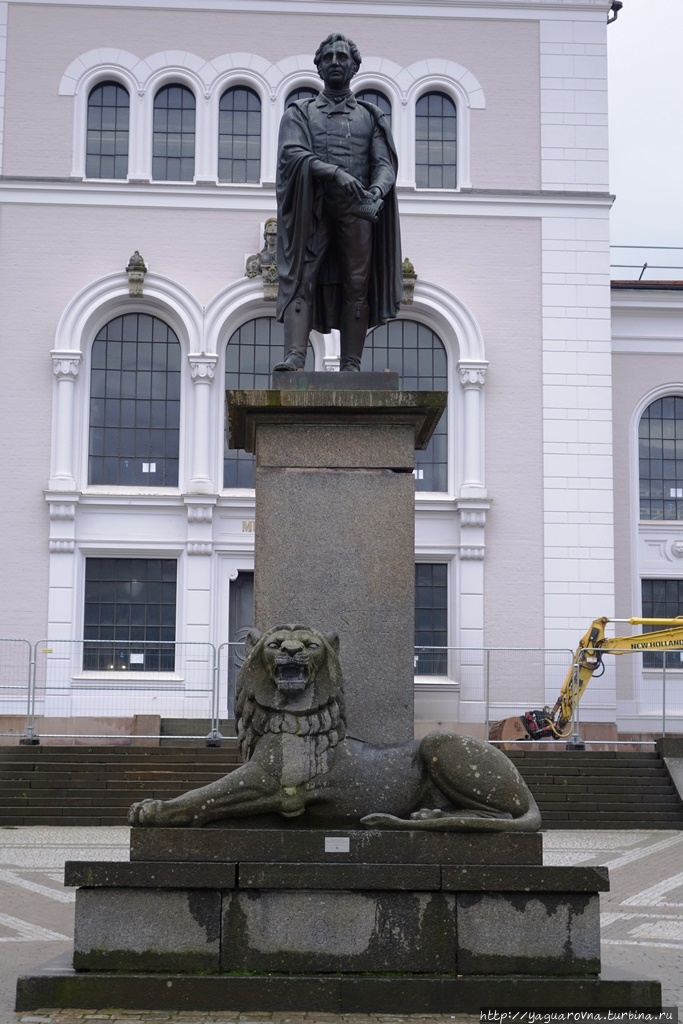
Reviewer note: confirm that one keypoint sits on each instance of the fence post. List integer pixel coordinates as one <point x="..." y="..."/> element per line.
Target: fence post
<point x="575" y="742"/>
<point x="488" y="695"/>
<point x="214" y="737"/>
<point x="29" y="737"/>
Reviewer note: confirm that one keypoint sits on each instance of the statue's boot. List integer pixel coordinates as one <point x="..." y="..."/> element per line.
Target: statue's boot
<point x="298" y="320"/>
<point x="353" y="329"/>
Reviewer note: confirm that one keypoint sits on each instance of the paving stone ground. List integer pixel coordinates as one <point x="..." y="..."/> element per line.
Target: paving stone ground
<point x="641" y="917"/>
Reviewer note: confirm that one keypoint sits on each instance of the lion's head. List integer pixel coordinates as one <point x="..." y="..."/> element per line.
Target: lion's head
<point x="290" y="682"/>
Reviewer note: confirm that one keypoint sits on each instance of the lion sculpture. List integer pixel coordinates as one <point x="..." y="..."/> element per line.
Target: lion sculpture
<point x="301" y="763"/>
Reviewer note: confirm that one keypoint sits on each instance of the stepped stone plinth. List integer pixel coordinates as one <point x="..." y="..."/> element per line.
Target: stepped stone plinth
<point x="345" y="921"/>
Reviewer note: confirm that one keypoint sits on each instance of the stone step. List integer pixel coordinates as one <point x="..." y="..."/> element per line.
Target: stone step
<point x="579" y="790"/>
<point x="95" y="785"/>
<point x="631" y="791"/>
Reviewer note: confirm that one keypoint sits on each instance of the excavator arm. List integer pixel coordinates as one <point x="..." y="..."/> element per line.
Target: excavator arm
<point x="555" y="722"/>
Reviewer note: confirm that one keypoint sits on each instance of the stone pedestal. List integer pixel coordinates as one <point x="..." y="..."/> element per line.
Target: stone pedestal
<point x="335" y="525"/>
<point x="338" y="922"/>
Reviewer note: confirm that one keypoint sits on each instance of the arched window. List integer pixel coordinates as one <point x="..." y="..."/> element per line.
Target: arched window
<point x="250" y="354"/>
<point x="135" y="403"/>
<point x="106" y="152"/>
<point x="174" y="131"/>
<point x="305" y="93"/>
<point x="378" y="98"/>
<point x="239" y="136"/>
<point x="435" y="124"/>
<point x="418" y="355"/>
<point x="660" y="456"/>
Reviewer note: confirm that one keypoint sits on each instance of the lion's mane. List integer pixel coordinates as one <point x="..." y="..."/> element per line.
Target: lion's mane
<point x="320" y="715"/>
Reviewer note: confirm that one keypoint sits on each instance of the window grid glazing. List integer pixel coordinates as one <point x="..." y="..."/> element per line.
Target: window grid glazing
<point x="378" y="98"/>
<point x="660" y="456"/>
<point x="106" y="152"/>
<point x="239" y="136"/>
<point x="305" y="93"/>
<point x="431" y="617"/>
<point x="435" y="141"/>
<point x="418" y="355"/>
<point x="250" y="354"/>
<point x="662" y="599"/>
<point x="135" y="403"/>
<point x="173" y="134"/>
<point x="130" y="614"/>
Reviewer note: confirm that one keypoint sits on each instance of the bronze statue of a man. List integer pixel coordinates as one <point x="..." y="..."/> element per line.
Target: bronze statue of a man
<point x="339" y="246"/>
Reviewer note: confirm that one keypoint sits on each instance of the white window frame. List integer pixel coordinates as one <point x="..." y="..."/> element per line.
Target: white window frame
<point x="273" y="83"/>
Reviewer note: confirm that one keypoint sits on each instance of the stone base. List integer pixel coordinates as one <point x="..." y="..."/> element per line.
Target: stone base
<point x="346" y="921"/>
<point x="57" y="985"/>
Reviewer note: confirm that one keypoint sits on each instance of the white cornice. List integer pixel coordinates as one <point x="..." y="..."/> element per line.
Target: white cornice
<point x="638" y="300"/>
<point x="530" y="9"/>
<point x="262" y="199"/>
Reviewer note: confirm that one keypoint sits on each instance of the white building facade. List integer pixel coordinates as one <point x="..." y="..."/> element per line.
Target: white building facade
<point x="151" y="126"/>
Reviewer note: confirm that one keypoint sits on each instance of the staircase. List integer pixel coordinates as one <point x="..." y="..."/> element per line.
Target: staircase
<point x="96" y="785"/>
<point x="605" y="789"/>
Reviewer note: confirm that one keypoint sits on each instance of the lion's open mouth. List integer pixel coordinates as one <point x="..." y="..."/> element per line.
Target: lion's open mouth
<point x="291" y="675"/>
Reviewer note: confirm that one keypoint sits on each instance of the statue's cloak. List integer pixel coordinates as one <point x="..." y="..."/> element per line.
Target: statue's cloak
<point x="300" y="201"/>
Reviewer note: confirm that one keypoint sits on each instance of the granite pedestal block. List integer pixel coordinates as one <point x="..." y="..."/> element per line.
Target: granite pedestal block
<point x="336" y="922"/>
<point x="339" y="846"/>
<point x="148" y="929"/>
<point x="340" y="902"/>
<point x="335" y="525"/>
<point x="349" y="932"/>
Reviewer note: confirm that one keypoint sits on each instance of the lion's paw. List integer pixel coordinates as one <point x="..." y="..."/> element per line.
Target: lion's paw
<point x="426" y="814"/>
<point x="146" y="812"/>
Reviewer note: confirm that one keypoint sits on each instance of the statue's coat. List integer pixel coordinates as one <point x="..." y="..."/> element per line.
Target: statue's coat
<point x="300" y="201"/>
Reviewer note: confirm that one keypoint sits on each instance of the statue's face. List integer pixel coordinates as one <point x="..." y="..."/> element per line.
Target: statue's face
<point x="336" y="65"/>
<point x="270" y="234"/>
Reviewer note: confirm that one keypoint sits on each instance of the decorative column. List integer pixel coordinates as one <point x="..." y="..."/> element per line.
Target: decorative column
<point x="472" y="377"/>
<point x="203" y="370"/>
<point x="66" y="366"/>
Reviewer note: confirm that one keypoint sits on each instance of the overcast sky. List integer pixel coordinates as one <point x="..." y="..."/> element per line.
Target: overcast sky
<point x="645" y="48"/>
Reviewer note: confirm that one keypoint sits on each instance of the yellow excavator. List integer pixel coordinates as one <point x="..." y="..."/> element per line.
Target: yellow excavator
<point x="555" y="723"/>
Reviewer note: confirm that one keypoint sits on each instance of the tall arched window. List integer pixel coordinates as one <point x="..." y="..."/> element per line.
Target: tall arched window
<point x="305" y="93"/>
<point x="378" y="98"/>
<point x="239" y="136"/>
<point x="106" y="151"/>
<point x="135" y="403"/>
<point x="418" y="355"/>
<point x="174" y="134"/>
<point x="250" y="354"/>
<point x="660" y="456"/>
<point x="435" y="135"/>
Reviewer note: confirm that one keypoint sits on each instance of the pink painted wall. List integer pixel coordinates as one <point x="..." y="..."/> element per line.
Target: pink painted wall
<point x="44" y="39"/>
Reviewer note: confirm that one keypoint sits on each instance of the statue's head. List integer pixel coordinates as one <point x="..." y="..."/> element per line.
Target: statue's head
<point x="291" y="675"/>
<point x="336" y="55"/>
<point x="270" y="232"/>
<point x="286" y="661"/>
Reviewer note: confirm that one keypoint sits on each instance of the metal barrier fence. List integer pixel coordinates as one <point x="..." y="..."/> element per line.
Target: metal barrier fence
<point x="78" y="690"/>
<point x="486" y="684"/>
<point x="110" y="690"/>
<point x="15" y="681"/>
<point x="642" y="691"/>
<point x="649" y="694"/>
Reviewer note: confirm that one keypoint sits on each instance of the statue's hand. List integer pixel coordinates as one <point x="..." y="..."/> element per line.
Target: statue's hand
<point x="350" y="185"/>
